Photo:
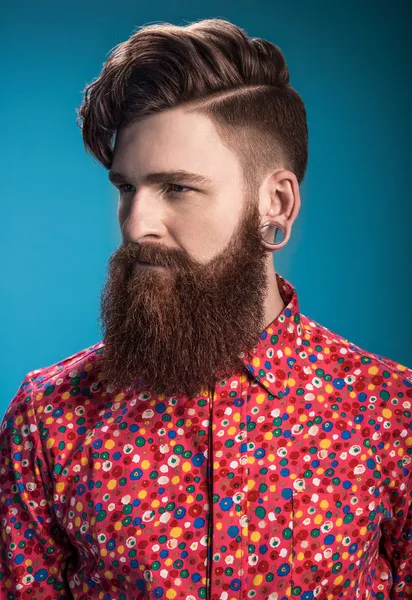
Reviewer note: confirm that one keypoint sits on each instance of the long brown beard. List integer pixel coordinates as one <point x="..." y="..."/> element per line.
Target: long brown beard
<point x="183" y="328"/>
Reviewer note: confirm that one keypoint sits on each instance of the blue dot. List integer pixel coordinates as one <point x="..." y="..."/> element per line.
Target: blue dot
<point x="346" y="435"/>
<point x="198" y="523"/>
<point x="198" y="459"/>
<point x="338" y="383"/>
<point x="226" y="504"/>
<point x="259" y="453"/>
<point x="329" y="539"/>
<point x="235" y="584"/>
<point x="347" y="485"/>
<point x="233" y="531"/>
<point x="283" y="570"/>
<point x="370" y="463"/>
<point x="313" y="358"/>
<point x="180" y="512"/>
<point x="40" y="575"/>
<point x="352" y="548"/>
<point x="136" y="474"/>
<point x="286" y="493"/>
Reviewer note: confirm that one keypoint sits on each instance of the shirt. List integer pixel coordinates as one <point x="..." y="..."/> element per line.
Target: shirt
<point x="293" y="481"/>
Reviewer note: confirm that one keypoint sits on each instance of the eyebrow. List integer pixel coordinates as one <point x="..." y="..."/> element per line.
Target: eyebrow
<point x="164" y="177"/>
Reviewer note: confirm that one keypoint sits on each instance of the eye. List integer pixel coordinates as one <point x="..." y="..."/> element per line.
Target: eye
<point x="121" y="186"/>
<point x="178" y="189"/>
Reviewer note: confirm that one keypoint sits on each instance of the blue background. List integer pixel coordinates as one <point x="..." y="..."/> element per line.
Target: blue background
<point x="350" y="252"/>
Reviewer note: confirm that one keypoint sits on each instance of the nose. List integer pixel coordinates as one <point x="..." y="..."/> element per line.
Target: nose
<point x="142" y="220"/>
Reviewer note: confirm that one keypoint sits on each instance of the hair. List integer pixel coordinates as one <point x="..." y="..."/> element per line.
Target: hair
<point x="210" y="67"/>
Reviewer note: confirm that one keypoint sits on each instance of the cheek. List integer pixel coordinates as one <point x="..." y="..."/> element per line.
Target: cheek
<point x="204" y="237"/>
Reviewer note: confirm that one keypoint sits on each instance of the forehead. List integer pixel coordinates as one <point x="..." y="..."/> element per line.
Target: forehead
<point x="172" y="140"/>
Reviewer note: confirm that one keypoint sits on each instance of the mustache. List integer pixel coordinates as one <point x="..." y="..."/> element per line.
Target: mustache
<point x="129" y="253"/>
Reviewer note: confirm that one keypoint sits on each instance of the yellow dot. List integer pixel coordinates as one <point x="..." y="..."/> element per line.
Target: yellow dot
<point x="60" y="486"/>
<point x="325" y="443"/>
<point x="257" y="580"/>
<point x="170" y="594"/>
<point x="176" y="532"/>
<point x="109" y="444"/>
<point x="256" y="362"/>
<point x="387" y="413"/>
<point x="373" y="370"/>
<point x="318" y="519"/>
<point x="338" y="579"/>
<point x="186" y="466"/>
<point x="328" y="388"/>
<point x="145" y="464"/>
<point x="112" y="484"/>
<point x="255" y="536"/>
<point x="324" y="504"/>
<point x="409" y="441"/>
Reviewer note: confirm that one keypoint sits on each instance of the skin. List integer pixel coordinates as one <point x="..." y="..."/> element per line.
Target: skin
<point x="181" y="326"/>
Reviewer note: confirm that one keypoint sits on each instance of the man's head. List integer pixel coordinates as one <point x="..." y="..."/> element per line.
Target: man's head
<point x="207" y="100"/>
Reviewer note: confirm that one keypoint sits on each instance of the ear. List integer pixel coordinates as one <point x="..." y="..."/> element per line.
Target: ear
<point x="279" y="200"/>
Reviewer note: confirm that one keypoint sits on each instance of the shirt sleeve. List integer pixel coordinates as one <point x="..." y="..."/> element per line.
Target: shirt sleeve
<point x="34" y="550"/>
<point x="397" y="544"/>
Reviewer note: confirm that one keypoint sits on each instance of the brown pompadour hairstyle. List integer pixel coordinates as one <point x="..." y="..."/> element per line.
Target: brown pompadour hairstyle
<point x="211" y="67"/>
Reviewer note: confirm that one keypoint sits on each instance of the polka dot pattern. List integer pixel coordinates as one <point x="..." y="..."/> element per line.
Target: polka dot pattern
<point x="293" y="482"/>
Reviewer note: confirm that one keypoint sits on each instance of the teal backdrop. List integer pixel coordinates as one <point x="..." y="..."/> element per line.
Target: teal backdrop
<point x="350" y="252"/>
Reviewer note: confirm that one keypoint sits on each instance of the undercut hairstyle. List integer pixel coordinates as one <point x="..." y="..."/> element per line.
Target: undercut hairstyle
<point x="210" y="67"/>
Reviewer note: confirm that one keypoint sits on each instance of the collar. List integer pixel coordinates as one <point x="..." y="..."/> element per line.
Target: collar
<point x="275" y="352"/>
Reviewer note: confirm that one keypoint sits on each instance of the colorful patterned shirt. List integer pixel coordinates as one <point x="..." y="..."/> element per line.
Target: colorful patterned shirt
<point x="294" y="481"/>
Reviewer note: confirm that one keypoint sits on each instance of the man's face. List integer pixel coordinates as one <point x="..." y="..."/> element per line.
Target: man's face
<point x="180" y="326"/>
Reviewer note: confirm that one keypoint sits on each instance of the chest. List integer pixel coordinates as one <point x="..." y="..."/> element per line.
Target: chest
<point x="247" y="494"/>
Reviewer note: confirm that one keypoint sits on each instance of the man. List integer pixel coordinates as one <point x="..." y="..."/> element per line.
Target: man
<point x="216" y="443"/>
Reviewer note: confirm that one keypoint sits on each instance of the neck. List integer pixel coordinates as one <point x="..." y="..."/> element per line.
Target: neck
<point x="274" y="304"/>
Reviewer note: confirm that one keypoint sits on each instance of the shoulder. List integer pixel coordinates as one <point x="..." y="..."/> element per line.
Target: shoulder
<point x="45" y="388"/>
<point x="366" y="395"/>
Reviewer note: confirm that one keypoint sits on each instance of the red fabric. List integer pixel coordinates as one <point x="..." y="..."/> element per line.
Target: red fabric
<point x="295" y="481"/>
